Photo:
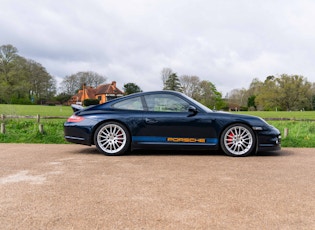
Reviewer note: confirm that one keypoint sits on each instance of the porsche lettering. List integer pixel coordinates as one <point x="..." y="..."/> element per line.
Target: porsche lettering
<point x="186" y="140"/>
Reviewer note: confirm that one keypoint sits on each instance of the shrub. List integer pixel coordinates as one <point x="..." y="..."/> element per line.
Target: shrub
<point x="88" y="102"/>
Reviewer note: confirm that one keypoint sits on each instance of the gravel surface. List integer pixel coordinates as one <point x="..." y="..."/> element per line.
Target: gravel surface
<point x="74" y="187"/>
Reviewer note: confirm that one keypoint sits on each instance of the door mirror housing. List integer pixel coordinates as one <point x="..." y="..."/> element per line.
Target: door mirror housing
<point x="193" y="110"/>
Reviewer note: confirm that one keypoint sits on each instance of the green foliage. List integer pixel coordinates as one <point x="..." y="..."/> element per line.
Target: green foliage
<point x="88" y="102"/>
<point x="202" y="91"/>
<point x="23" y="80"/>
<point x="208" y="95"/>
<point x="287" y="92"/>
<point x="301" y="133"/>
<point x="173" y="83"/>
<point x="301" y="126"/>
<point x="251" y="102"/>
<point x="131" y="88"/>
<point x="27" y="131"/>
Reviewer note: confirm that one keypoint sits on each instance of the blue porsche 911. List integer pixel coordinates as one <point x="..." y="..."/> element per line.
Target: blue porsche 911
<point x="167" y="120"/>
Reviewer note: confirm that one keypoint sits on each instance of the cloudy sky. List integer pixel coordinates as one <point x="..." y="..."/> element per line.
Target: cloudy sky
<point x="227" y="42"/>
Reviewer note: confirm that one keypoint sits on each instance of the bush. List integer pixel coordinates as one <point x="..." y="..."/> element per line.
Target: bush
<point x="88" y="102"/>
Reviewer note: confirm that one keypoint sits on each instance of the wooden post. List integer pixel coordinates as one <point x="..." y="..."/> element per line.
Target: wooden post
<point x="286" y="132"/>
<point x="41" y="128"/>
<point x="2" y="128"/>
<point x="38" y="118"/>
<point x="2" y="116"/>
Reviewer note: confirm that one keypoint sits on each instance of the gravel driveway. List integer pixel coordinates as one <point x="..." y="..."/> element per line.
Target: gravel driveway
<point x="74" y="187"/>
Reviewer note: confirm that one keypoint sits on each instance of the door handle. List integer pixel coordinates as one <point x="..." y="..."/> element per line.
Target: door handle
<point x="151" y="121"/>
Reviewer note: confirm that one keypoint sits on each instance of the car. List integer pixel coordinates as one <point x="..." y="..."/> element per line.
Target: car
<point x="167" y="120"/>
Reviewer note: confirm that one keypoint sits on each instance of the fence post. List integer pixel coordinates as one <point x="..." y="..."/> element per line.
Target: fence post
<point x="38" y="118"/>
<point x="2" y="116"/>
<point x="286" y="132"/>
<point x="41" y="128"/>
<point x="2" y="128"/>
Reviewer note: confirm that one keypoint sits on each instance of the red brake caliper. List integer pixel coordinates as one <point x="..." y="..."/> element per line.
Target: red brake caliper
<point x="230" y="138"/>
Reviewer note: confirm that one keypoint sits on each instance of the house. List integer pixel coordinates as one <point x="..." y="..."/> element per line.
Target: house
<point x="103" y="93"/>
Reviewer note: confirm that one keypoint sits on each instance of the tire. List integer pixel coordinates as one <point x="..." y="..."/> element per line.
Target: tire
<point x="112" y="139"/>
<point x="238" y="140"/>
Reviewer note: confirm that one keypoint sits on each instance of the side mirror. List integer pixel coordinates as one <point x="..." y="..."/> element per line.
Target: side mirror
<point x="193" y="110"/>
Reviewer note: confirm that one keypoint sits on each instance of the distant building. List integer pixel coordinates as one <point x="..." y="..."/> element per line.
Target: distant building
<point x="103" y="93"/>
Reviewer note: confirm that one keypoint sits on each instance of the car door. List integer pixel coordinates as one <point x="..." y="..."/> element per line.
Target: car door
<point x="168" y="121"/>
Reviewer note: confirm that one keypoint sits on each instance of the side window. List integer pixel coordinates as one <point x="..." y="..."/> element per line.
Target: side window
<point x="130" y="104"/>
<point x="166" y="103"/>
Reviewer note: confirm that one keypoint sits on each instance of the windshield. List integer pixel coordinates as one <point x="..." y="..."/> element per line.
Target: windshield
<point x="205" y="108"/>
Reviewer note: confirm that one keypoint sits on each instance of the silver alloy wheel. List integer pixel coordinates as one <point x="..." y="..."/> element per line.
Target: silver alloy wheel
<point x="111" y="138"/>
<point x="238" y="140"/>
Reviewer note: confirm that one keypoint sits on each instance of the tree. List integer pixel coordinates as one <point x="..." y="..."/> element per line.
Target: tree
<point x="209" y="96"/>
<point x="293" y="92"/>
<point x="312" y="97"/>
<point x="237" y="99"/>
<point x="131" y="88"/>
<point x="90" y="78"/>
<point x="287" y="92"/>
<point x="8" y="57"/>
<point x="266" y="99"/>
<point x="42" y="84"/>
<point x="63" y="98"/>
<point x="250" y="94"/>
<point x="251" y="102"/>
<point x="22" y="80"/>
<point x="166" y="72"/>
<point x="71" y="84"/>
<point x="190" y="85"/>
<point x="173" y="83"/>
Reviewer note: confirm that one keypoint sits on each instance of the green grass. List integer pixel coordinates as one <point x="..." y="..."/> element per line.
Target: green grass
<point x="27" y="131"/>
<point x="33" y="110"/>
<point x="301" y="133"/>
<point x="307" y="115"/>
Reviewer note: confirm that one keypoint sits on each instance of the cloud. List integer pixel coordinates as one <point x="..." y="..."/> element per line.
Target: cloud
<point x="226" y="42"/>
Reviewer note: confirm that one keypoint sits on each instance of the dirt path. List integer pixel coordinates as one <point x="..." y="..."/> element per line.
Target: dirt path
<point x="75" y="187"/>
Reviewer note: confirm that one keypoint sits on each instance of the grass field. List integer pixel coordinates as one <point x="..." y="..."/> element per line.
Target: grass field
<point x="306" y="115"/>
<point x="33" y="110"/>
<point x="301" y="133"/>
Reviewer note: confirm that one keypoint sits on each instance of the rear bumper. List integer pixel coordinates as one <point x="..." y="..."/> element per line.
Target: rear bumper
<point x="77" y="134"/>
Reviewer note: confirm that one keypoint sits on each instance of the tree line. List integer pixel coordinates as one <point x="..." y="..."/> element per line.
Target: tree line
<point x="24" y="81"/>
<point x="284" y="92"/>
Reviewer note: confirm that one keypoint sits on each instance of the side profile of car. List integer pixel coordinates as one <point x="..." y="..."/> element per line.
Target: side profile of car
<point x="167" y="120"/>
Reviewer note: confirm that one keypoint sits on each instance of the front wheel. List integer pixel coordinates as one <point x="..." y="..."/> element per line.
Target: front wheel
<point x="238" y="140"/>
<point x="112" y="139"/>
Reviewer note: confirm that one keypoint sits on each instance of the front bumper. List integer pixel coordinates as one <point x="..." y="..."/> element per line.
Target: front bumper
<point x="269" y="140"/>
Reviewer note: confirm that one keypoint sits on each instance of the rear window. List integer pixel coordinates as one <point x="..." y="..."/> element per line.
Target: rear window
<point x="129" y="104"/>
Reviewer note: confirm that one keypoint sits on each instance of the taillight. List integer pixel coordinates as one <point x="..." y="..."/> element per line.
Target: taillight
<point x="75" y="118"/>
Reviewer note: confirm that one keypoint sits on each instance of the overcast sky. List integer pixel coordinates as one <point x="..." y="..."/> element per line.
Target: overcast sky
<point x="227" y="42"/>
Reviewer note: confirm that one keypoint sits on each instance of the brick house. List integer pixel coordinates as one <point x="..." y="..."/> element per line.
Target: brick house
<point x="103" y="93"/>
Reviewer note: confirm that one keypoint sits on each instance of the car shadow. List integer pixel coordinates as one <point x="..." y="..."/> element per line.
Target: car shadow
<point x="174" y="153"/>
<point x="279" y="153"/>
<point x="93" y="151"/>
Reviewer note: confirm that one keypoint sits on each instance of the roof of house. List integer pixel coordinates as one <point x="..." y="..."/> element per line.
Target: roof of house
<point x="91" y="92"/>
<point x="108" y="89"/>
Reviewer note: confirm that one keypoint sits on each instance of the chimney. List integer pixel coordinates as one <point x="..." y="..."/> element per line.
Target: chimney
<point x="114" y="84"/>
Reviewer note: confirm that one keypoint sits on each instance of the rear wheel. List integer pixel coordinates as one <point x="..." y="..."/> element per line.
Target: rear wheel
<point x="238" y="140"/>
<point x="112" y="138"/>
